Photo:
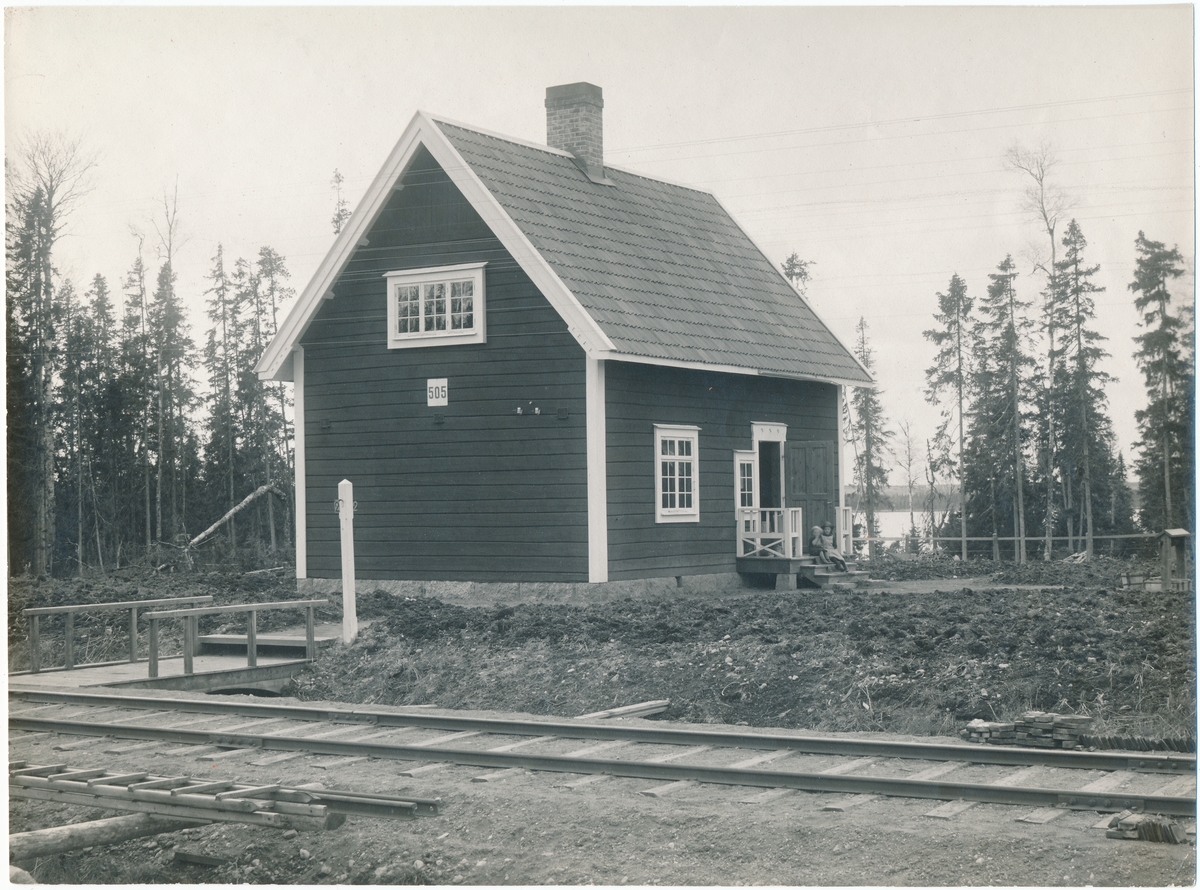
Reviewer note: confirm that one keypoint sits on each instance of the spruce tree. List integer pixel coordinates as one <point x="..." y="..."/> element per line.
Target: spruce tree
<point x="1166" y="466"/>
<point x="47" y="177"/>
<point x="873" y="437"/>
<point x="1002" y="389"/>
<point x="137" y="380"/>
<point x="949" y="374"/>
<point x="220" y="362"/>
<point x="1084" y="422"/>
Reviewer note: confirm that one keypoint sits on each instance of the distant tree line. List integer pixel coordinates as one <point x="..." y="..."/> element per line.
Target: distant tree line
<point x="1026" y="428"/>
<point x="114" y="456"/>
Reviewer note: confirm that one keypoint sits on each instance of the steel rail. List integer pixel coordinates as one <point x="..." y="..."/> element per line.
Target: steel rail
<point x="666" y="735"/>
<point x="667" y="772"/>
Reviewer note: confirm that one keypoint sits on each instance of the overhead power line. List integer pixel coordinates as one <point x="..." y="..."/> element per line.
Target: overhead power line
<point x="907" y="120"/>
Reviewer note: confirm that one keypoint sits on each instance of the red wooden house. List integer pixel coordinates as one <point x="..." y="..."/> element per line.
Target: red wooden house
<point x="535" y="367"/>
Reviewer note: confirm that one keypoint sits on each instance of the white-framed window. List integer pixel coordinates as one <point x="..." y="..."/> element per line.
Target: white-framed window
<point x="677" y="473"/>
<point x="440" y="306"/>
<point x="747" y="485"/>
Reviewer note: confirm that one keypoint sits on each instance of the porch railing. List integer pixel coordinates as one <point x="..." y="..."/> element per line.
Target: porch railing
<point x="770" y="531"/>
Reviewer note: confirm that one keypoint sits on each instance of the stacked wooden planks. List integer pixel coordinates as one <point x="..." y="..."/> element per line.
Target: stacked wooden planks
<point x="1035" y="729"/>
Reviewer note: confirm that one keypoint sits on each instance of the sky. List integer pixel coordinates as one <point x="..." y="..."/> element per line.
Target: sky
<point x="869" y="141"/>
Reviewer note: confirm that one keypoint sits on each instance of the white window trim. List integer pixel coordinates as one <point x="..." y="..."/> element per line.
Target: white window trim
<point x="749" y="458"/>
<point x="421" y="277"/>
<point x="767" y="432"/>
<point x="676" y="431"/>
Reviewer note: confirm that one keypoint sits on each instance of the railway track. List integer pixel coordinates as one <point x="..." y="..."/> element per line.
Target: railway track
<point x="1051" y="781"/>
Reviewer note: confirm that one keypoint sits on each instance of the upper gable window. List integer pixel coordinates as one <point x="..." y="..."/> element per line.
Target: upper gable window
<point x="442" y="306"/>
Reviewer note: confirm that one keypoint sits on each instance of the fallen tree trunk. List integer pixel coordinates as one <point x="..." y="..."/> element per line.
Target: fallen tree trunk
<point x="48" y="841"/>
<point x="257" y="493"/>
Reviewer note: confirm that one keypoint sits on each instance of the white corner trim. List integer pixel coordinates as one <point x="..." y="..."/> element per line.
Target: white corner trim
<point x="597" y="471"/>
<point x="298" y="460"/>
<point x="841" y="447"/>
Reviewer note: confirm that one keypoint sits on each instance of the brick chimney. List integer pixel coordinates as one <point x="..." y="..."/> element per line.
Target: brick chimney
<point x="575" y="123"/>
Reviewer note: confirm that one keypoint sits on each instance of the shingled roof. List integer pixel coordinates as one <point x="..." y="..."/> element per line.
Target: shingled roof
<point x="661" y="272"/>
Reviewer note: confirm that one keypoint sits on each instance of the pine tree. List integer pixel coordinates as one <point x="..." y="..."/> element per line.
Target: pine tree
<point x="272" y="275"/>
<point x="341" y="211"/>
<point x="949" y="373"/>
<point x="1167" y="463"/>
<point x="873" y="435"/>
<point x="798" y="272"/>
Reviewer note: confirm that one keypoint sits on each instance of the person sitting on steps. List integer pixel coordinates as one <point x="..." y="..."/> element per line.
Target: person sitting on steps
<point x="825" y="548"/>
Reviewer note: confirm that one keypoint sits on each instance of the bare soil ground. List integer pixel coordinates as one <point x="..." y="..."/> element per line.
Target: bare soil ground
<point x="914" y="657"/>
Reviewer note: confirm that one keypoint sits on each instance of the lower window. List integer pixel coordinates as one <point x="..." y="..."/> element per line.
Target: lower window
<point x="677" y="477"/>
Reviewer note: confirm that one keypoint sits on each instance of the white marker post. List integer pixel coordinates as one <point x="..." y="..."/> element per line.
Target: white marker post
<point x="346" y="515"/>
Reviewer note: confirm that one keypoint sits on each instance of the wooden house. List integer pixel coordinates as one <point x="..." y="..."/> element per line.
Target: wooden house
<point x="535" y="367"/>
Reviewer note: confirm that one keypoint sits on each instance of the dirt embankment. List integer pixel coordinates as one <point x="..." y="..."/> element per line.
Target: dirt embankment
<point x="916" y="656"/>
<point x="902" y="661"/>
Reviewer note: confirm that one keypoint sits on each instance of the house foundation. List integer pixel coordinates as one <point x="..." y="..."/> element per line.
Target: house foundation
<point x="484" y="593"/>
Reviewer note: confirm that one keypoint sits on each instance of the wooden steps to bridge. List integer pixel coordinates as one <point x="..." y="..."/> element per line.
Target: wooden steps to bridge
<point x="216" y="643"/>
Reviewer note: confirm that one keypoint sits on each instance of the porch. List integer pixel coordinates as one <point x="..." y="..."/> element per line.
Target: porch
<point x="771" y="541"/>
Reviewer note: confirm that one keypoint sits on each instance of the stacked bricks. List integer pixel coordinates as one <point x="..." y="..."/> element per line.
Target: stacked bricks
<point x="575" y="123"/>
<point x="1035" y="729"/>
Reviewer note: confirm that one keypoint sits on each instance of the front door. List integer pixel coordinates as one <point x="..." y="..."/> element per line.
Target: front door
<point x="812" y="482"/>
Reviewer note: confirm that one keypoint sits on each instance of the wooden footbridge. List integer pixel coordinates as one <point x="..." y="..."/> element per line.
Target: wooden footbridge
<point x="203" y="662"/>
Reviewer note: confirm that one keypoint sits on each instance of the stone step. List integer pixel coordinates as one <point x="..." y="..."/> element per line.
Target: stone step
<point x="825" y="577"/>
<point x="821" y="569"/>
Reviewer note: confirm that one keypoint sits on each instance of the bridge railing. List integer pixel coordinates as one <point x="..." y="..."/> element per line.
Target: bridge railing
<point x="35" y="616"/>
<point x="191" y="626"/>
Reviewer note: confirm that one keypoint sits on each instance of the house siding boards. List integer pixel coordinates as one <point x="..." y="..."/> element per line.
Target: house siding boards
<point x="487" y="494"/>
<point x="723" y="406"/>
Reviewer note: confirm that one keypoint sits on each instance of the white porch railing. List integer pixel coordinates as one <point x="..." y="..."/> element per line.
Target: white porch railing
<point x="770" y="531"/>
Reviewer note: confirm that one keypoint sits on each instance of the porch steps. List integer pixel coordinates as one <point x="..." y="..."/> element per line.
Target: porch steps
<point x="818" y="575"/>
<point x="802" y="571"/>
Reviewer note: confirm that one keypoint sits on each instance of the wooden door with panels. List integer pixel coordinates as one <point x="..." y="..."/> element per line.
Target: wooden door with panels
<point x="811" y="478"/>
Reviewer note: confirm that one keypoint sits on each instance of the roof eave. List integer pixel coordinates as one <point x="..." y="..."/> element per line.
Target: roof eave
<point x="743" y="370"/>
<point x="424" y="130"/>
<point x="319" y="287"/>
<point x="811" y="309"/>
